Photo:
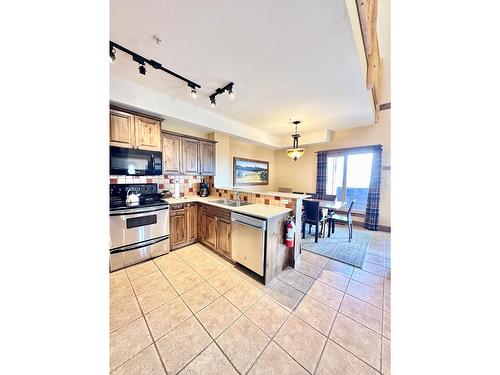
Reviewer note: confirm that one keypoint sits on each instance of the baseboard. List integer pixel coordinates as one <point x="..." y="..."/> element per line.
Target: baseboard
<point x="382" y="228"/>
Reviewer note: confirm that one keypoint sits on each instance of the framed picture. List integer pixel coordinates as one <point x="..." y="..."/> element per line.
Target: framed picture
<point x="250" y="172"/>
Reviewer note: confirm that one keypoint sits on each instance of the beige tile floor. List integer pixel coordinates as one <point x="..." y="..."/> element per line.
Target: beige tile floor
<point x="192" y="312"/>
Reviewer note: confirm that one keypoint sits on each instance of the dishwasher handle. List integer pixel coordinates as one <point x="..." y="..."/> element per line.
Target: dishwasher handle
<point x="249" y="221"/>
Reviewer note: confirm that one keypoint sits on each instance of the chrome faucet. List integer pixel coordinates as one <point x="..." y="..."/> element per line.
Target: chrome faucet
<point x="237" y="193"/>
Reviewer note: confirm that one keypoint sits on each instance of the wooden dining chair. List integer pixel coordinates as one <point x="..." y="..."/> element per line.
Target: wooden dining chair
<point x="313" y="216"/>
<point x="342" y="218"/>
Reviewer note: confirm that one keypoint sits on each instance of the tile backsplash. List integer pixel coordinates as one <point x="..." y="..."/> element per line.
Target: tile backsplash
<point x="188" y="185"/>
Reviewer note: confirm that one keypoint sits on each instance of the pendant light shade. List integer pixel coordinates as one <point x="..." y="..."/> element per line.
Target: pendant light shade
<point x="295" y="152"/>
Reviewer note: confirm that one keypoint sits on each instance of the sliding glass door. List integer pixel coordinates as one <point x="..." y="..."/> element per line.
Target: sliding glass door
<point x="348" y="177"/>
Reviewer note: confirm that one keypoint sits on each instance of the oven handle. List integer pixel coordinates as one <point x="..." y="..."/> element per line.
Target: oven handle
<point x="127" y="212"/>
<point x="138" y="245"/>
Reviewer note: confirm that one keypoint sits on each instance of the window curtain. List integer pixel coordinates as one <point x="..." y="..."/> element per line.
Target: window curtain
<point x="373" y="200"/>
<point x="321" y="175"/>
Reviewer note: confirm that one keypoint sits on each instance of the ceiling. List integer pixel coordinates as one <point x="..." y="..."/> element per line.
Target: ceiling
<point x="289" y="59"/>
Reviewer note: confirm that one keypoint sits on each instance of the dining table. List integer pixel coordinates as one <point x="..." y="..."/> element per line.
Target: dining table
<point x="330" y="205"/>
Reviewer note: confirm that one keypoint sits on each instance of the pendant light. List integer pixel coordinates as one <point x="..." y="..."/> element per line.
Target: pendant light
<point x="295" y="152"/>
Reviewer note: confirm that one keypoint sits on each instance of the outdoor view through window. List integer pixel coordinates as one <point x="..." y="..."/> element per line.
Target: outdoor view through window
<point x="348" y="177"/>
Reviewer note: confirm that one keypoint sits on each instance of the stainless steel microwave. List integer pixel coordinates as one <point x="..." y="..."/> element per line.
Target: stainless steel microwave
<point x="133" y="162"/>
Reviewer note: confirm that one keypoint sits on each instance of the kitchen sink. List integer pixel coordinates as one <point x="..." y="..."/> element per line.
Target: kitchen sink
<point x="231" y="203"/>
<point x="237" y="204"/>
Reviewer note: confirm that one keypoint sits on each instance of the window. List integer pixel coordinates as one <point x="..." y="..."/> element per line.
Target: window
<point x="348" y="177"/>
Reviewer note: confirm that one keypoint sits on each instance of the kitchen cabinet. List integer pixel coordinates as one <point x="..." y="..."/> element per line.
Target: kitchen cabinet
<point x="215" y="229"/>
<point x="192" y="222"/>
<point x="223" y="234"/>
<point x="147" y="133"/>
<point x="132" y="130"/>
<point x="171" y="150"/>
<point x="178" y="227"/>
<point x="207" y="158"/>
<point x="121" y="129"/>
<point x="190" y="156"/>
<point x="183" y="225"/>
<point x="186" y="155"/>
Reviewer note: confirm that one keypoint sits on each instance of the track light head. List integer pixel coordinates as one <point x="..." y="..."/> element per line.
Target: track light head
<point x="112" y="56"/>
<point x="193" y="93"/>
<point x="229" y="88"/>
<point x="212" y="102"/>
<point x="142" y="69"/>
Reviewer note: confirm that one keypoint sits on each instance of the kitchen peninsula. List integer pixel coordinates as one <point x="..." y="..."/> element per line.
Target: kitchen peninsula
<point x="208" y="220"/>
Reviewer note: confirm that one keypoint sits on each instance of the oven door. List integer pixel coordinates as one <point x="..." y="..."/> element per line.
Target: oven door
<point x="131" y="162"/>
<point x="138" y="225"/>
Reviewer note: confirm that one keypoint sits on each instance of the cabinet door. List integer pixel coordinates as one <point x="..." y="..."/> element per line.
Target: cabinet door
<point x="121" y="129"/>
<point x="192" y="222"/>
<point x="178" y="227"/>
<point x="147" y="134"/>
<point x="171" y="150"/>
<point x="207" y="158"/>
<point x="224" y="237"/>
<point x="190" y="158"/>
<point x="209" y="228"/>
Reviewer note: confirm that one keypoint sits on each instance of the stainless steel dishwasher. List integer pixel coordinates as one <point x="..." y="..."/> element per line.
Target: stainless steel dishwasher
<point x="249" y="241"/>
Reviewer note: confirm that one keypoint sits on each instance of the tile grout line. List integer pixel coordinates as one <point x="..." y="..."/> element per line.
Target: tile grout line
<point x="147" y="326"/>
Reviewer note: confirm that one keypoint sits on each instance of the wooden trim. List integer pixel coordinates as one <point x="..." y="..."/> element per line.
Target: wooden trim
<point x="135" y="113"/>
<point x="385" y="106"/>
<point x="188" y="136"/>
<point x="249" y="183"/>
<point x="357" y="149"/>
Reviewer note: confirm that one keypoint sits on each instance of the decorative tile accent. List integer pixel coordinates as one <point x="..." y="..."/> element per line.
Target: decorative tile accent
<point x="266" y="201"/>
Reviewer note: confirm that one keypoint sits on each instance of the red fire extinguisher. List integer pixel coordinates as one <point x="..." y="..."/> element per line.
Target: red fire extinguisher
<point x="290" y="232"/>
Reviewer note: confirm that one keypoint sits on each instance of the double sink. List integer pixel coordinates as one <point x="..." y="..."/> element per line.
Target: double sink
<point x="231" y="203"/>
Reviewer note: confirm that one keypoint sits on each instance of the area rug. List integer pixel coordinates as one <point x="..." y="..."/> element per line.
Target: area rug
<point x="338" y="246"/>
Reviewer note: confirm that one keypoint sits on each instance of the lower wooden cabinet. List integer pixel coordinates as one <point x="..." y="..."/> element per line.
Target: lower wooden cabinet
<point x="183" y="225"/>
<point x="223" y="237"/>
<point x="192" y="222"/>
<point x="215" y="229"/>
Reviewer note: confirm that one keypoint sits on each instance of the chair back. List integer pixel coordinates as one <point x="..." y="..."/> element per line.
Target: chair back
<point x="350" y="208"/>
<point x="329" y="197"/>
<point x="311" y="209"/>
<point x="284" y="190"/>
<point x="313" y="195"/>
<point x="298" y="192"/>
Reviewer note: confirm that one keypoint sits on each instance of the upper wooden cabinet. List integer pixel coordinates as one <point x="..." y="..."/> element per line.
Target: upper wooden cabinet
<point x="147" y="133"/>
<point x="171" y="150"/>
<point x="190" y="156"/>
<point x="207" y="158"/>
<point x="121" y="129"/>
<point x="134" y="131"/>
<point x="187" y="155"/>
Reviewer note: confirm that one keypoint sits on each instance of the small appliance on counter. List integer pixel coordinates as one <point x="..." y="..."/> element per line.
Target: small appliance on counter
<point x="204" y="190"/>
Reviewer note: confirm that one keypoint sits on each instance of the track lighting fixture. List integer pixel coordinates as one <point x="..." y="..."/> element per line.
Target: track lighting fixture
<point x="142" y="61"/>
<point x="228" y="88"/>
<point x="212" y="102"/>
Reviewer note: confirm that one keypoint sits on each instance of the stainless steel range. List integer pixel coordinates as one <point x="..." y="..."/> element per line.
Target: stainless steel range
<point x="138" y="231"/>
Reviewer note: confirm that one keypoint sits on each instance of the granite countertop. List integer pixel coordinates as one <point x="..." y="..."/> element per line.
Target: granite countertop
<point x="263" y="211"/>
<point x="272" y="193"/>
